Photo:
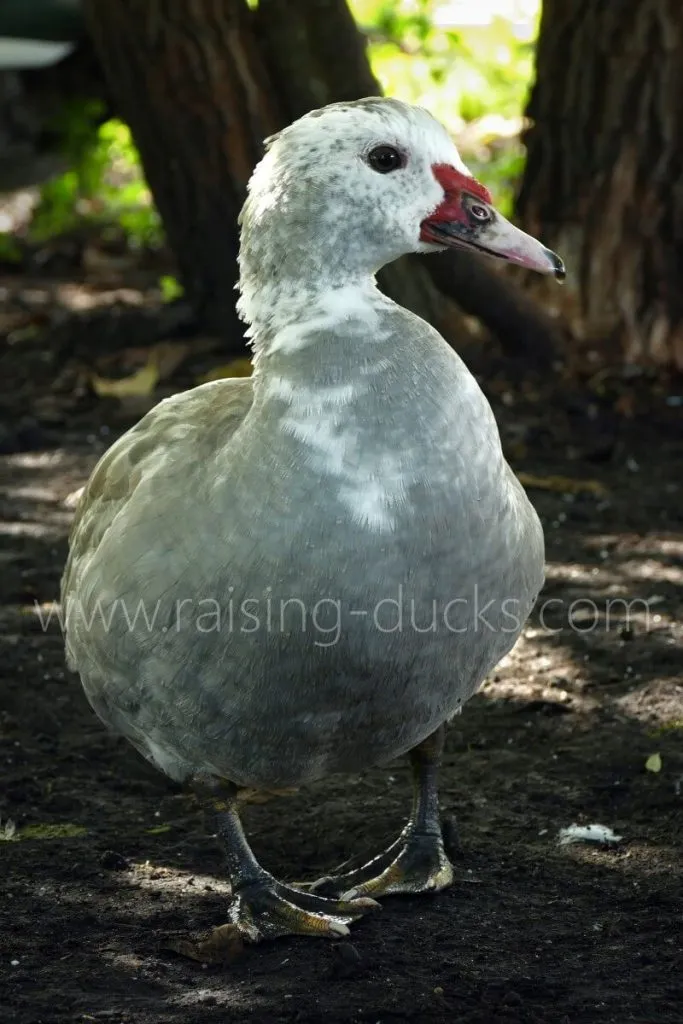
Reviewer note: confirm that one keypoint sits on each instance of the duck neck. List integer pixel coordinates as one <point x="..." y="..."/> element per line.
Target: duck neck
<point x="296" y="268"/>
<point x="305" y="323"/>
<point x="277" y="307"/>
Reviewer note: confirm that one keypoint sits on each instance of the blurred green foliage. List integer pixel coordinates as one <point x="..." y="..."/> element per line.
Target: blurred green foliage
<point x="170" y="288"/>
<point x="420" y="53"/>
<point x="105" y="185"/>
<point x="469" y="63"/>
<point x="10" y="250"/>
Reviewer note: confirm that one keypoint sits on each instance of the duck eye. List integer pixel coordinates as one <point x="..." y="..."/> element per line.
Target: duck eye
<point x="384" y="159"/>
<point x="479" y="212"/>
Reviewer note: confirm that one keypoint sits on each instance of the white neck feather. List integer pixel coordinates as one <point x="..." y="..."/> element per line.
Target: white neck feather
<point x="285" y="317"/>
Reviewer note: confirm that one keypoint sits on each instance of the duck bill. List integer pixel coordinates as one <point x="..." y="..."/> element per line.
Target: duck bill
<point x="498" y="239"/>
<point x="467" y="219"/>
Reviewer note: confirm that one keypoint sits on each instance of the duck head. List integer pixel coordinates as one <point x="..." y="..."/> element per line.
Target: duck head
<point x="350" y="187"/>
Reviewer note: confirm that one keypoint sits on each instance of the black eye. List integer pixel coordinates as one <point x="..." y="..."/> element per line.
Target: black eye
<point x="479" y="212"/>
<point x="384" y="159"/>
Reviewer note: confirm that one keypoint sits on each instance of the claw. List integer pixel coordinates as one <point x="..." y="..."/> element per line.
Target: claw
<point x="420" y="865"/>
<point x="267" y="909"/>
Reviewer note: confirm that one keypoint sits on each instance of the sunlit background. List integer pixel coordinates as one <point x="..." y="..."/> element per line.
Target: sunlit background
<point x="470" y="62"/>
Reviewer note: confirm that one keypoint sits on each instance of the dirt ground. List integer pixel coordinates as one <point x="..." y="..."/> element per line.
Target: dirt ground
<point x="110" y="861"/>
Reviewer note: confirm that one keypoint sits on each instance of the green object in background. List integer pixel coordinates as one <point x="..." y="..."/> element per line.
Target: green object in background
<point x="471" y="65"/>
<point x="171" y="288"/>
<point x="65" y="831"/>
<point x="105" y="185"/>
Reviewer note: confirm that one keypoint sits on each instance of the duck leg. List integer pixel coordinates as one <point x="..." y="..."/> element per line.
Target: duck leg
<point x="416" y="861"/>
<point x="262" y="907"/>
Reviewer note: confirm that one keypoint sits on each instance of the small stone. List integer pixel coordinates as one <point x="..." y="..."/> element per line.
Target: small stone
<point x="512" y="999"/>
<point x="347" y="960"/>
<point x="113" y="861"/>
<point x="451" y="839"/>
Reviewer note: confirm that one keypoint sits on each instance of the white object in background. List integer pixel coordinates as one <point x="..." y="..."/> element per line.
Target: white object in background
<point x="588" y="834"/>
<point x="19" y="54"/>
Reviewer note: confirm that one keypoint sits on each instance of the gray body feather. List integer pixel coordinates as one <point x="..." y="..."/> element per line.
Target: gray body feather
<point x="397" y="496"/>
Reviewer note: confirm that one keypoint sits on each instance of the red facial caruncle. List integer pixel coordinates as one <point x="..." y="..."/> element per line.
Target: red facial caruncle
<point x="454" y="183"/>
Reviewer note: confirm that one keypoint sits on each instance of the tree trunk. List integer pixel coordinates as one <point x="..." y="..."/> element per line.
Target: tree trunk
<point x="604" y="177"/>
<point x="189" y="80"/>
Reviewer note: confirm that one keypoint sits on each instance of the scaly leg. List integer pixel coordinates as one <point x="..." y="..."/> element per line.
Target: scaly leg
<point x="416" y="861"/>
<point x="262" y="907"/>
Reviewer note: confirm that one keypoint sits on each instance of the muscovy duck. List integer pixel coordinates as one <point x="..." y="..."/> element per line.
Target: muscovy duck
<point x="310" y="571"/>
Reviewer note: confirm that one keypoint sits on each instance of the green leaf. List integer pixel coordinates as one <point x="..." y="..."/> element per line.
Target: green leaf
<point x="10" y="250"/>
<point x="65" y="831"/>
<point x="170" y="287"/>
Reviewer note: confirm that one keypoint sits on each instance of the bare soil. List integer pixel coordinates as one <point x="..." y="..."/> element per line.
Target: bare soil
<point x="110" y="861"/>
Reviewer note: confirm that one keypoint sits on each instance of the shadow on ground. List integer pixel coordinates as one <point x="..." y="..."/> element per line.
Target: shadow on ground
<point x="532" y="933"/>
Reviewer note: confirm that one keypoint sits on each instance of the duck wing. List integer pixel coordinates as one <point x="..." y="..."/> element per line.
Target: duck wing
<point x="198" y="420"/>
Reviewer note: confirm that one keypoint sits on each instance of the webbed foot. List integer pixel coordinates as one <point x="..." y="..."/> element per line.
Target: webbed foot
<point x="416" y="862"/>
<point x="262" y="907"/>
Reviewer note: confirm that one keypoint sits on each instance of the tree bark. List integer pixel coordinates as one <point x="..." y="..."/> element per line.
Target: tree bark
<point x="604" y="177"/>
<point x="189" y="80"/>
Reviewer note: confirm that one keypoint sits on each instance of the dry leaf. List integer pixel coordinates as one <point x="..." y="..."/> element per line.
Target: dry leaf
<point x="169" y="355"/>
<point x="141" y="383"/>
<point x="625" y="405"/>
<point x="562" y="484"/>
<point x="235" y="368"/>
<point x="264" y="796"/>
<point x="158" y="364"/>
<point x="223" y="945"/>
<point x="8" y="830"/>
